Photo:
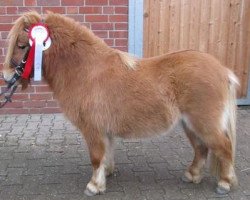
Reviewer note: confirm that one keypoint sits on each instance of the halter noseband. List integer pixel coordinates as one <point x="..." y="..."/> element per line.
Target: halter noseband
<point x="19" y="68"/>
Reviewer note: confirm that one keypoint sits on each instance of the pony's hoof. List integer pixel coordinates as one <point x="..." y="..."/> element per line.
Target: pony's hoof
<point x="197" y="179"/>
<point x="89" y="193"/>
<point x="92" y="190"/>
<point x="221" y="190"/>
<point x="188" y="178"/>
<point x="185" y="179"/>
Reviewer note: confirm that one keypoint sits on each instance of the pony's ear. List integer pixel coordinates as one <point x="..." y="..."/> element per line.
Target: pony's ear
<point x="30" y="18"/>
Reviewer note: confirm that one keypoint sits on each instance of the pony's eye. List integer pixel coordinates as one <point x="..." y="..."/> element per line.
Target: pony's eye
<point x="21" y="46"/>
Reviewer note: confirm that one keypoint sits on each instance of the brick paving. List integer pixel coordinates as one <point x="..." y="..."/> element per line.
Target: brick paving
<point x="44" y="157"/>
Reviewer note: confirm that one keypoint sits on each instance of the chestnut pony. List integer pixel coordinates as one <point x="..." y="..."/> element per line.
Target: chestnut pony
<point x="107" y="93"/>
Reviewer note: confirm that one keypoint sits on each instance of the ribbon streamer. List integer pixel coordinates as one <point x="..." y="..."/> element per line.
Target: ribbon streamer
<point x="29" y="62"/>
<point x="38" y="61"/>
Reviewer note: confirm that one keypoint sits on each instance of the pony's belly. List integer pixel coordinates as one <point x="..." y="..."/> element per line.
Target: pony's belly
<point x="146" y="127"/>
<point x="145" y="132"/>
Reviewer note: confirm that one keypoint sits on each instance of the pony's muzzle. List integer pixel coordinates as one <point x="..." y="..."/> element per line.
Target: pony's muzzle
<point x="7" y="74"/>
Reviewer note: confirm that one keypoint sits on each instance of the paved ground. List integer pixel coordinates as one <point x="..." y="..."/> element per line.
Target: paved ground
<point x="44" y="157"/>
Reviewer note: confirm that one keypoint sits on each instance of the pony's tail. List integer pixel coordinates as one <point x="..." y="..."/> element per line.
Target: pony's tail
<point x="230" y="109"/>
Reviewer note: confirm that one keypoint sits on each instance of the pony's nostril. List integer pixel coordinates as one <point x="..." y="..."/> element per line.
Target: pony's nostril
<point x="1" y="74"/>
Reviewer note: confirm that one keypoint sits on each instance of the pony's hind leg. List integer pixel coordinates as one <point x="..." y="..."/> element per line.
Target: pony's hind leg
<point x="221" y="148"/>
<point x="210" y="132"/>
<point x="193" y="173"/>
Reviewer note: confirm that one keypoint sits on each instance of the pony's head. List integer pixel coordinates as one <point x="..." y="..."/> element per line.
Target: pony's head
<point x="18" y="43"/>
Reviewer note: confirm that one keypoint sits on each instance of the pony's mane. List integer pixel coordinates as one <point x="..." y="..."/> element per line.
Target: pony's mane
<point x="29" y="18"/>
<point x="82" y="33"/>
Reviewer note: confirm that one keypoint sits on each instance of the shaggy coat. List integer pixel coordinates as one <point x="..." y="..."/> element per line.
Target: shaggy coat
<point x="107" y="93"/>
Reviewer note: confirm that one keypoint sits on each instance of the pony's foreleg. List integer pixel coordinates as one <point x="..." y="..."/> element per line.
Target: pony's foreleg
<point x="193" y="173"/>
<point x="96" y="144"/>
<point x="109" y="155"/>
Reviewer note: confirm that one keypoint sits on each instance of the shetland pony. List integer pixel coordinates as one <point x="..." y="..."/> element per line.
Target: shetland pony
<point x="107" y="93"/>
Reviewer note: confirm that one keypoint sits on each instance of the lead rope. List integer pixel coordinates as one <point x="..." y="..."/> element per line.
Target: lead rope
<point x="7" y="98"/>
